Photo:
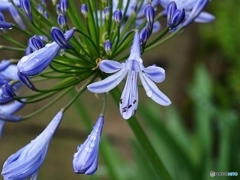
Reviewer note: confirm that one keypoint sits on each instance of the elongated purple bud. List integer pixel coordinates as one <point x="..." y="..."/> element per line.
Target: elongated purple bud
<point x="26" y="6"/>
<point x="4" y="64"/>
<point x="144" y="35"/>
<point x="197" y="9"/>
<point x="26" y="81"/>
<point x="171" y="8"/>
<point x="177" y="18"/>
<point x="85" y="160"/>
<point x="8" y="90"/>
<point x="150" y="14"/>
<point x="16" y="16"/>
<point x="10" y="117"/>
<point x="5" y="99"/>
<point x="59" y="38"/>
<point x="58" y="9"/>
<point x="46" y="15"/>
<point x="63" y="6"/>
<point x="134" y="8"/>
<point x="84" y="10"/>
<point x="36" y="43"/>
<point x="118" y="16"/>
<point x="108" y="47"/>
<point x="62" y="21"/>
<point x="5" y="25"/>
<point x="106" y="12"/>
<point x="40" y="8"/>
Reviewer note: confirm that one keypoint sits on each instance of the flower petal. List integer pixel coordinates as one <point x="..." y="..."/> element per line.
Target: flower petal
<point x="135" y="53"/>
<point x="153" y="92"/>
<point x="156" y="27"/>
<point x="11" y="72"/>
<point x="197" y="9"/>
<point x="129" y="98"/>
<point x="26" y="161"/>
<point x="109" y="83"/>
<point x="34" y="176"/>
<point x="16" y="16"/>
<point x="204" y="17"/>
<point x="156" y="74"/>
<point x="110" y="66"/>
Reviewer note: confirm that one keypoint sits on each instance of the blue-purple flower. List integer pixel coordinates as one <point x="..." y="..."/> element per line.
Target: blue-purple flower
<point x="26" y="6"/>
<point x="174" y="16"/>
<point x="190" y="6"/>
<point x="34" y="63"/>
<point x="26" y="162"/>
<point x="85" y="160"/>
<point x="132" y="68"/>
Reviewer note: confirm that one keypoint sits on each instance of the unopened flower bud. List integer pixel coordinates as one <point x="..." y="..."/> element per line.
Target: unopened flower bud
<point x="106" y="12"/>
<point x="177" y="18"/>
<point x="63" y="6"/>
<point x="150" y="14"/>
<point x="84" y="10"/>
<point x="26" y="6"/>
<point x="108" y="47"/>
<point x="118" y="16"/>
<point x="62" y="20"/>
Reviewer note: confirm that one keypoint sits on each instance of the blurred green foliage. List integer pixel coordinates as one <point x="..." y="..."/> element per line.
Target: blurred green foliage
<point x="212" y="144"/>
<point x="221" y="39"/>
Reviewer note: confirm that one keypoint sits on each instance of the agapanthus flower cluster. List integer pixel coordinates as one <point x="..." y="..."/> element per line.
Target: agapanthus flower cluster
<point x="83" y="46"/>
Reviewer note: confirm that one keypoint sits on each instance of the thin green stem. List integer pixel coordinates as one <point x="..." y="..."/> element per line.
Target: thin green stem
<point x="22" y="31"/>
<point x="46" y="106"/>
<point x="104" y="104"/>
<point x="80" y="91"/>
<point x="144" y="142"/>
<point x="163" y="40"/>
<point x="11" y="48"/>
<point x="10" y="39"/>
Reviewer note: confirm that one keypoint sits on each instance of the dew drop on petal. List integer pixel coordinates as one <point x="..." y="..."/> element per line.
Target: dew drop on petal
<point x="93" y="138"/>
<point x="149" y="93"/>
<point x="24" y="59"/>
<point x="92" y="145"/>
<point x="87" y="149"/>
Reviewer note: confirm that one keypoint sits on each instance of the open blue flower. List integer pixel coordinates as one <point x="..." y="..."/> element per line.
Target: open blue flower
<point x="26" y="161"/>
<point x="85" y="160"/>
<point x="133" y="67"/>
